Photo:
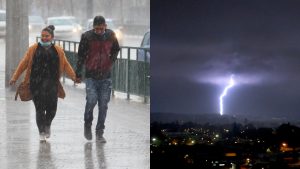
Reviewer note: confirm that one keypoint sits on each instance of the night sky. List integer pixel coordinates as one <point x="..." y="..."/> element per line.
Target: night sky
<point x="197" y="44"/>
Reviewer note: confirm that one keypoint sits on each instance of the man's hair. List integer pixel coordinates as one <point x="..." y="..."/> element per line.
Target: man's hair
<point x="98" y="20"/>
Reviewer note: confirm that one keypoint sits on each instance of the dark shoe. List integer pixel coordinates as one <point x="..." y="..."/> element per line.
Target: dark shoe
<point x="99" y="136"/>
<point x="101" y="139"/>
<point x="88" y="132"/>
<point x="47" y="131"/>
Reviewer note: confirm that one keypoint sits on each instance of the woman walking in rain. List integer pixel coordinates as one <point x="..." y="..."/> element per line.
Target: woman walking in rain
<point x="44" y="63"/>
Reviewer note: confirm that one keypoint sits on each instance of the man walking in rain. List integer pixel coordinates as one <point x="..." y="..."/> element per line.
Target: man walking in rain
<point x="98" y="49"/>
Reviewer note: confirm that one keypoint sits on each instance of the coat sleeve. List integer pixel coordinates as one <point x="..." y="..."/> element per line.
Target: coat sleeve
<point x="115" y="47"/>
<point x="22" y="65"/>
<point x="82" y="53"/>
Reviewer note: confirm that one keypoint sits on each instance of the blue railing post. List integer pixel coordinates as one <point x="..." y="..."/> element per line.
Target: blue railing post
<point x="64" y="47"/>
<point x="144" y="76"/>
<point x="127" y="75"/>
<point x="74" y="54"/>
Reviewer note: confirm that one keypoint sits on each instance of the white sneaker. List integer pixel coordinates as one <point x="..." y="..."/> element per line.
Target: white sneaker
<point x="47" y="132"/>
<point x="42" y="137"/>
<point x="47" y="135"/>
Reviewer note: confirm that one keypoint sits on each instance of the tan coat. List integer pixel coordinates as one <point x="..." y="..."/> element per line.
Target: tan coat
<point x="26" y="64"/>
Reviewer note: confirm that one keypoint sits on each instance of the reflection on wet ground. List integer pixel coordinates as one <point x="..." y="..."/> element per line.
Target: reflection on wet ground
<point x="44" y="159"/>
<point x="99" y="157"/>
<point x="127" y="135"/>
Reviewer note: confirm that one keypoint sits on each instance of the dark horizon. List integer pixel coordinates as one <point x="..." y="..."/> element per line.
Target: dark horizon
<point x="216" y="119"/>
<point x="197" y="45"/>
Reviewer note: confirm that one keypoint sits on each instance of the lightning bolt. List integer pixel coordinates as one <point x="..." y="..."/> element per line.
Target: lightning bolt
<point x="231" y="84"/>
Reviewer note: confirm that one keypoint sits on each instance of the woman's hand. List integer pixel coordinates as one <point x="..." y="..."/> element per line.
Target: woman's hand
<point x="12" y="82"/>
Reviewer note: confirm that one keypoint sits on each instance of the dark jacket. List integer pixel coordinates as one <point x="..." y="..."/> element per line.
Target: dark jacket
<point x="97" y="53"/>
<point x="44" y="71"/>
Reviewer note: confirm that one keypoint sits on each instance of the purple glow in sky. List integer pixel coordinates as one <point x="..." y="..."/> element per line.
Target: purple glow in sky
<point x="255" y="40"/>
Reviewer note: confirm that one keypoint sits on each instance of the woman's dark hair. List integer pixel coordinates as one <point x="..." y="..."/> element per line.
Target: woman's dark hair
<point x="50" y="29"/>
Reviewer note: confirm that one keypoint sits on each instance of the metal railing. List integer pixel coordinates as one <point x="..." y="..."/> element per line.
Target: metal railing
<point x="131" y="71"/>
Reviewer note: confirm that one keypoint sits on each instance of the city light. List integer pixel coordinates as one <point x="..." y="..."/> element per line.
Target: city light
<point x="210" y="138"/>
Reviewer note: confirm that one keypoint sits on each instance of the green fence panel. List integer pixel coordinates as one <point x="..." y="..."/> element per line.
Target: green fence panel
<point x="128" y="76"/>
<point x="119" y="75"/>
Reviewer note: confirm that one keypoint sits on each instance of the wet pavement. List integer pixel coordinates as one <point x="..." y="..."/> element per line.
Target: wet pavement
<point x="127" y="133"/>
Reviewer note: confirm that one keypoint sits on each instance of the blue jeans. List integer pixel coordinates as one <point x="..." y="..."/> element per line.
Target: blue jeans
<point x="97" y="91"/>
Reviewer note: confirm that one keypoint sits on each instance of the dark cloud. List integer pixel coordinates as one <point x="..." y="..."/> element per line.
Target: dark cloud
<point x="197" y="45"/>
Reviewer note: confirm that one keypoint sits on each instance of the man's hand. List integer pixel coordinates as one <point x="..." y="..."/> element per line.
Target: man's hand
<point x="77" y="80"/>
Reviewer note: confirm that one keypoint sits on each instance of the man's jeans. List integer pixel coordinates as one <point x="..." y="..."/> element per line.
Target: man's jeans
<point x="97" y="91"/>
